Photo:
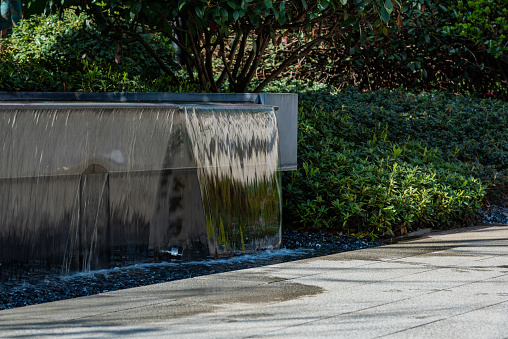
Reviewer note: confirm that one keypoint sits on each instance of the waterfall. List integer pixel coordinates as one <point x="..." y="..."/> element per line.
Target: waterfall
<point x="85" y="186"/>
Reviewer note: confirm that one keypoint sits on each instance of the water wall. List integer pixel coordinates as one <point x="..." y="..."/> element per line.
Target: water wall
<point x="85" y="186"/>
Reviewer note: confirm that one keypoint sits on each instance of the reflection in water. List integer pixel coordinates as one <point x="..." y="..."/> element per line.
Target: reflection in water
<point x="83" y="188"/>
<point x="236" y="152"/>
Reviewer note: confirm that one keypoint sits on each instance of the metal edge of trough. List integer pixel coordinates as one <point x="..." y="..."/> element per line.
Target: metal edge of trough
<point x="287" y="112"/>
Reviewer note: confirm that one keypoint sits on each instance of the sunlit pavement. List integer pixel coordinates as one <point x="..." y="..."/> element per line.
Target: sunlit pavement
<point x="452" y="284"/>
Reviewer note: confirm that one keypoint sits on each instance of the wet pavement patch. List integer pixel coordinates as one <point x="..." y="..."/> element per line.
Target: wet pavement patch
<point x="252" y="316"/>
<point x="269" y="293"/>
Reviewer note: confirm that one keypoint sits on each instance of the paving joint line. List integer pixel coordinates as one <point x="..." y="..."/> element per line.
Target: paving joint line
<point x="444" y="318"/>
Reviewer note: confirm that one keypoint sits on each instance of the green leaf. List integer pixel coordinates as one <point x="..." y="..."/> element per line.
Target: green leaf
<point x="253" y="18"/>
<point x="385" y="16"/>
<point x="199" y="12"/>
<point x="282" y="13"/>
<point x="181" y="3"/>
<point x="343" y="2"/>
<point x="224" y="15"/>
<point x="347" y="23"/>
<point x="268" y="4"/>
<point x="217" y="16"/>
<point x="282" y="17"/>
<point x="323" y="4"/>
<point x="232" y="4"/>
<point x="361" y="6"/>
<point x="304" y="4"/>
<point x="314" y="14"/>
<point x="236" y="15"/>
<point x="389" y="6"/>
<point x="275" y="13"/>
<point x="136" y="8"/>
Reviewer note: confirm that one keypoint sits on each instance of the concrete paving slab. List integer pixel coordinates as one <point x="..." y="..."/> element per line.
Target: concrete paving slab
<point x="487" y="322"/>
<point x="446" y="285"/>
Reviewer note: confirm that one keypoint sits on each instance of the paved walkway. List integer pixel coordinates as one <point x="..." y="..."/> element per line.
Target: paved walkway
<point x="446" y="285"/>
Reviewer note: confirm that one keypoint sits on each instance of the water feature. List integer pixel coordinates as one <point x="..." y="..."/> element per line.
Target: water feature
<point x="85" y="186"/>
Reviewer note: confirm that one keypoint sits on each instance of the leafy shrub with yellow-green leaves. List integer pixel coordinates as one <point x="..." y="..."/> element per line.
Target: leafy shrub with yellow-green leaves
<point x="69" y="53"/>
<point x="388" y="162"/>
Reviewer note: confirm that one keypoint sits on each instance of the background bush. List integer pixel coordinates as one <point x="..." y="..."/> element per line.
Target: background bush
<point x="455" y="46"/>
<point x="47" y="53"/>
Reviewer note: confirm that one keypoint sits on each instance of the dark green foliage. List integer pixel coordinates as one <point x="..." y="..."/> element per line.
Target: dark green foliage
<point x="384" y="163"/>
<point x="455" y="46"/>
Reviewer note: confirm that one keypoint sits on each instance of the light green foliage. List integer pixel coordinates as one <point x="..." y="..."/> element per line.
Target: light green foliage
<point x="483" y="21"/>
<point x="64" y="44"/>
<point x="69" y="54"/>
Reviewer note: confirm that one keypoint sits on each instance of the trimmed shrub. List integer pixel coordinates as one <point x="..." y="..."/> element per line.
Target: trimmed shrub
<point x="388" y="162"/>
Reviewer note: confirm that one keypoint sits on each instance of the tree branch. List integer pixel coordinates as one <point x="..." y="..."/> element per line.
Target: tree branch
<point x="228" y="61"/>
<point x="208" y="60"/>
<point x="302" y="51"/>
<point x="154" y="55"/>
<point x="241" y="51"/>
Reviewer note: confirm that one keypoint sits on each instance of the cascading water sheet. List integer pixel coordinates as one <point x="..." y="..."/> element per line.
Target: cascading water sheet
<point x="89" y="186"/>
<point x="237" y="154"/>
<point x="49" y="190"/>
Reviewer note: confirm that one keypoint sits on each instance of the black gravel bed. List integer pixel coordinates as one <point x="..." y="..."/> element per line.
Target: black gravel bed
<point x="494" y="214"/>
<point x="295" y="245"/>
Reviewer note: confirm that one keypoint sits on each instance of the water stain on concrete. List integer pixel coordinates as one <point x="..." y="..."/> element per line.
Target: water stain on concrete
<point x="148" y="314"/>
<point x="268" y="293"/>
<point x="248" y="316"/>
<point x="422" y="317"/>
<point x="196" y="301"/>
